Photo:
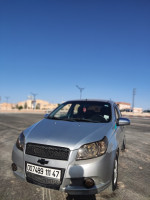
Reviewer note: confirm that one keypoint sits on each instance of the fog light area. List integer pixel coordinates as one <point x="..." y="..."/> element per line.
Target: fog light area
<point x="88" y="182"/>
<point x="14" y="167"/>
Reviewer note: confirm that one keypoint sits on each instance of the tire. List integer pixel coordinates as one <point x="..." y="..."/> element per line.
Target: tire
<point x="81" y="197"/>
<point x="114" y="179"/>
<point x="123" y="145"/>
<point x="115" y="174"/>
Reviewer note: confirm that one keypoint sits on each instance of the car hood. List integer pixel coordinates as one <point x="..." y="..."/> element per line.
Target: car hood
<point x="65" y="133"/>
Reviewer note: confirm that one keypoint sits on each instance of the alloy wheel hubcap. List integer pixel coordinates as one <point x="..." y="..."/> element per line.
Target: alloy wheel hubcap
<point x="115" y="172"/>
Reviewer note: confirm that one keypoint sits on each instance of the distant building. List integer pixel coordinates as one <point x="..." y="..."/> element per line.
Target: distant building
<point x="127" y="107"/>
<point x="39" y="104"/>
<point x="137" y="110"/>
<point x="123" y="105"/>
<point x="7" y="106"/>
<point x="29" y="104"/>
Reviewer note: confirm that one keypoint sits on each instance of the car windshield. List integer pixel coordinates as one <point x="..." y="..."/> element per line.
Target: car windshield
<point x="83" y="111"/>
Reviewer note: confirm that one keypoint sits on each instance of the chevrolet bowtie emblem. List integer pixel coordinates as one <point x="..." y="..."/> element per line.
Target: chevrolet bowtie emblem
<point x="42" y="161"/>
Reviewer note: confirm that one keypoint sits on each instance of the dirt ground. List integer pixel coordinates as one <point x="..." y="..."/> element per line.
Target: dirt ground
<point x="134" y="163"/>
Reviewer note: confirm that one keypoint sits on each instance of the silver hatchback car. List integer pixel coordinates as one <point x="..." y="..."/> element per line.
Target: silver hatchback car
<point x="74" y="149"/>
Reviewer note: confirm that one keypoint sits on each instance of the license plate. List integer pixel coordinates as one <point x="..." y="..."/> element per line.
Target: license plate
<point x="44" y="171"/>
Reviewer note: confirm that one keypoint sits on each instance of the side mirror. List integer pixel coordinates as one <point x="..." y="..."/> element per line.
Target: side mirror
<point x="123" y="122"/>
<point x="46" y="115"/>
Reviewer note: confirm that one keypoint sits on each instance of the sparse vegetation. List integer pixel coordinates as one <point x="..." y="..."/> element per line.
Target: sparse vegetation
<point x="38" y="106"/>
<point x="20" y="107"/>
<point x="25" y="105"/>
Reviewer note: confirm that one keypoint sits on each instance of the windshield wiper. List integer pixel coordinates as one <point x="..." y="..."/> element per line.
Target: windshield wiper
<point x="63" y="119"/>
<point x="69" y="119"/>
<point x="84" y="120"/>
<point x="54" y="118"/>
<point x="74" y="119"/>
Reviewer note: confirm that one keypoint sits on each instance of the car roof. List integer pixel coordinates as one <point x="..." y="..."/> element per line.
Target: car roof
<point x="90" y="100"/>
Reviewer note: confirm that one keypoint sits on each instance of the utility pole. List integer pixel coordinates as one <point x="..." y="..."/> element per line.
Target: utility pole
<point x="0" y="102"/>
<point x="34" y="100"/>
<point x="133" y="97"/>
<point x="7" y="99"/>
<point x="7" y="102"/>
<point x="81" y="89"/>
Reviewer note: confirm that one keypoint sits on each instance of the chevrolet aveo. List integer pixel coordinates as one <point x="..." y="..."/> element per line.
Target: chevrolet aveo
<point x="74" y="149"/>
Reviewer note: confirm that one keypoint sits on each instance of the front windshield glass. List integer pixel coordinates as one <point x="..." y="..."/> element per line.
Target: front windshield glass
<point x="83" y="111"/>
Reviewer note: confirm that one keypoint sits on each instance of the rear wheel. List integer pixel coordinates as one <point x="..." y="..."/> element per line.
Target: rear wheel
<point x="123" y="145"/>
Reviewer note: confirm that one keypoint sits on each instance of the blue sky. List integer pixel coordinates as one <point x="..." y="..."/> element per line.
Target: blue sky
<point x="50" y="46"/>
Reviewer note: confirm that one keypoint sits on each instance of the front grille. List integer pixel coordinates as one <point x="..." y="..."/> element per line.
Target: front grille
<point x="44" y="181"/>
<point x="46" y="151"/>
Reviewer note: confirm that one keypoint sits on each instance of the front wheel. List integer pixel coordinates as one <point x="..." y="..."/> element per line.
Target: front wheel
<point x="115" y="174"/>
<point x="114" y="178"/>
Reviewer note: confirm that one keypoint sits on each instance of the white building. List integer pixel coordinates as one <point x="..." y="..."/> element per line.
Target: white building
<point x="123" y="105"/>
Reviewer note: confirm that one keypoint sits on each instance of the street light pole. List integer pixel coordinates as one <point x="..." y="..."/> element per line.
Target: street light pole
<point x="34" y="99"/>
<point x="7" y="102"/>
<point x="0" y="102"/>
<point x="81" y="89"/>
<point x="7" y="99"/>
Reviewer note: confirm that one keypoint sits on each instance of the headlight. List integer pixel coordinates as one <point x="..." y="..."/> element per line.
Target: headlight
<point x="20" y="142"/>
<point x="92" y="150"/>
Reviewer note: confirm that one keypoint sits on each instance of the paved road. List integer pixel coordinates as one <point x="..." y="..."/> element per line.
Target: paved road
<point x="134" y="163"/>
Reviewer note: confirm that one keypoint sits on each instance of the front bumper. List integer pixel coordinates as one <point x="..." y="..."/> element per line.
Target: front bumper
<point x="73" y="172"/>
